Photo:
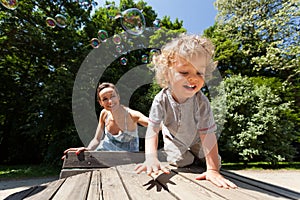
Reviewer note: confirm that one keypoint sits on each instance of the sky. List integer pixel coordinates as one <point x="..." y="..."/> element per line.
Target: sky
<point x="197" y="15"/>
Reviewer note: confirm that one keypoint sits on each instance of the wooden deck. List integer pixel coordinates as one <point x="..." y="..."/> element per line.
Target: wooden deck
<point x="99" y="180"/>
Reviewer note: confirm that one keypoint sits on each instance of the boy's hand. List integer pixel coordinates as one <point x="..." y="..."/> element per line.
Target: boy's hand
<point x="151" y="165"/>
<point x="216" y="178"/>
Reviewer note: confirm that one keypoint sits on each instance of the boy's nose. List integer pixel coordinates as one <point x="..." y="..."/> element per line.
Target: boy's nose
<point x="192" y="78"/>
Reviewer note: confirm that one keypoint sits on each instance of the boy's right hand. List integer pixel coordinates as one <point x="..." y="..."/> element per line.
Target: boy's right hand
<point x="77" y="151"/>
<point x="151" y="165"/>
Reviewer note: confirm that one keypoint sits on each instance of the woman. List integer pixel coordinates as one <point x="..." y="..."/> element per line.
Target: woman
<point x="118" y="123"/>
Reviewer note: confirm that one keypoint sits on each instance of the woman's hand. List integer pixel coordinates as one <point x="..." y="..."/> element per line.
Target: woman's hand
<point x="77" y="151"/>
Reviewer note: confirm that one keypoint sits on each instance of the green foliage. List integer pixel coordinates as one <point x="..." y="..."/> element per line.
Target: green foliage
<point x="22" y="171"/>
<point x="258" y="122"/>
<point x="267" y="33"/>
<point x="38" y="66"/>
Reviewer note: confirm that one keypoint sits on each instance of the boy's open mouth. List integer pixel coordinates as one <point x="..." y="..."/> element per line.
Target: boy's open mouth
<point x="190" y="87"/>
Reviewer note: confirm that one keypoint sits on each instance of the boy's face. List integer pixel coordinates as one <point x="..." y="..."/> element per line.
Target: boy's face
<point x="109" y="99"/>
<point x="186" y="77"/>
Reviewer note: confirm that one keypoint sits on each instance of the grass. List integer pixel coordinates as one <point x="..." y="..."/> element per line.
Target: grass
<point x="27" y="171"/>
<point x="262" y="165"/>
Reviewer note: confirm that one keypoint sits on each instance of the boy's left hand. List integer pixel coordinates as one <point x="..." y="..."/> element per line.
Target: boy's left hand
<point x="216" y="178"/>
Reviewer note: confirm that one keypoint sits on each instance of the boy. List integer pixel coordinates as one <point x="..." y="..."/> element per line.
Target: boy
<point x="183" y="111"/>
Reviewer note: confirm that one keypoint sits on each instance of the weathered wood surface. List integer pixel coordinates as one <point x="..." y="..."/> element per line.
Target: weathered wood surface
<point x="91" y="160"/>
<point x="121" y="182"/>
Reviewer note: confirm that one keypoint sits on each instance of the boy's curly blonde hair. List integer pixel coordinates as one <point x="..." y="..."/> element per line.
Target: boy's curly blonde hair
<point x="186" y="46"/>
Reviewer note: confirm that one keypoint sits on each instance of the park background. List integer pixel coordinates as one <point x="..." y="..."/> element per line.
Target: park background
<point x="257" y="49"/>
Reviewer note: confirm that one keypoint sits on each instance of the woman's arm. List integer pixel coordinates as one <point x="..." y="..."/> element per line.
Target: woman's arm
<point x="138" y="117"/>
<point x="99" y="132"/>
<point x="95" y="141"/>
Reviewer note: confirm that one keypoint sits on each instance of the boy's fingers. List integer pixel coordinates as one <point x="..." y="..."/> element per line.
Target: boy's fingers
<point x="139" y="168"/>
<point x="165" y="170"/>
<point x="231" y="184"/>
<point x="149" y="171"/>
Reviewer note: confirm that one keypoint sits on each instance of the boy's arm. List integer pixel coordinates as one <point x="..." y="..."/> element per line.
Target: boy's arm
<point x="210" y="148"/>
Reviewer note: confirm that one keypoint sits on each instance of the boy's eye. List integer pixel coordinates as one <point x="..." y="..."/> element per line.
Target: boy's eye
<point x="200" y="74"/>
<point x="183" y="73"/>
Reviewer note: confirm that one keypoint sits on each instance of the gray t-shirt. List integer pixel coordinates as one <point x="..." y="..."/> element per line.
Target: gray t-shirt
<point x="186" y="120"/>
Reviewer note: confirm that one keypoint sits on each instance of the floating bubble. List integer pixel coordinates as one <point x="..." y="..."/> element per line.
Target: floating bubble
<point x="116" y="39"/>
<point x="156" y="23"/>
<point x="119" y="48"/>
<point x="61" y="20"/>
<point x="133" y="21"/>
<point x="154" y="52"/>
<point x="50" y="22"/>
<point x="95" y="42"/>
<point x="123" y="61"/>
<point x="102" y="35"/>
<point x="144" y="59"/>
<point x="10" y="4"/>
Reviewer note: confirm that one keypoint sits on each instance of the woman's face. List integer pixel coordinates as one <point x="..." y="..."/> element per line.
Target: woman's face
<point x="109" y="99"/>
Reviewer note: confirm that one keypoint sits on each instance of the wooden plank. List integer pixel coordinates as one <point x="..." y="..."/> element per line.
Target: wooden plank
<point x="141" y="185"/>
<point x="48" y="192"/>
<point x="75" y="187"/>
<point x="268" y="188"/>
<point x="112" y="186"/>
<point x="95" y="191"/>
<point x="183" y="188"/>
<point x="103" y="159"/>
<point x="234" y="194"/>
<point x="64" y="173"/>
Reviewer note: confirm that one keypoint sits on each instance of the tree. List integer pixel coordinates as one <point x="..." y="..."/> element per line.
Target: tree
<point x="38" y="66"/>
<point x="267" y="33"/>
<point x="257" y="122"/>
<point x="260" y="38"/>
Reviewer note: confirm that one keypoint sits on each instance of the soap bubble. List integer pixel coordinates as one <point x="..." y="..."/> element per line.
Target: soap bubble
<point x="61" y="20"/>
<point x="154" y="52"/>
<point x="119" y="48"/>
<point x="144" y="59"/>
<point x="50" y="22"/>
<point x="156" y="23"/>
<point x="95" y="42"/>
<point x="102" y="35"/>
<point x="123" y="61"/>
<point x="10" y="4"/>
<point x="116" y="39"/>
<point x="133" y="21"/>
